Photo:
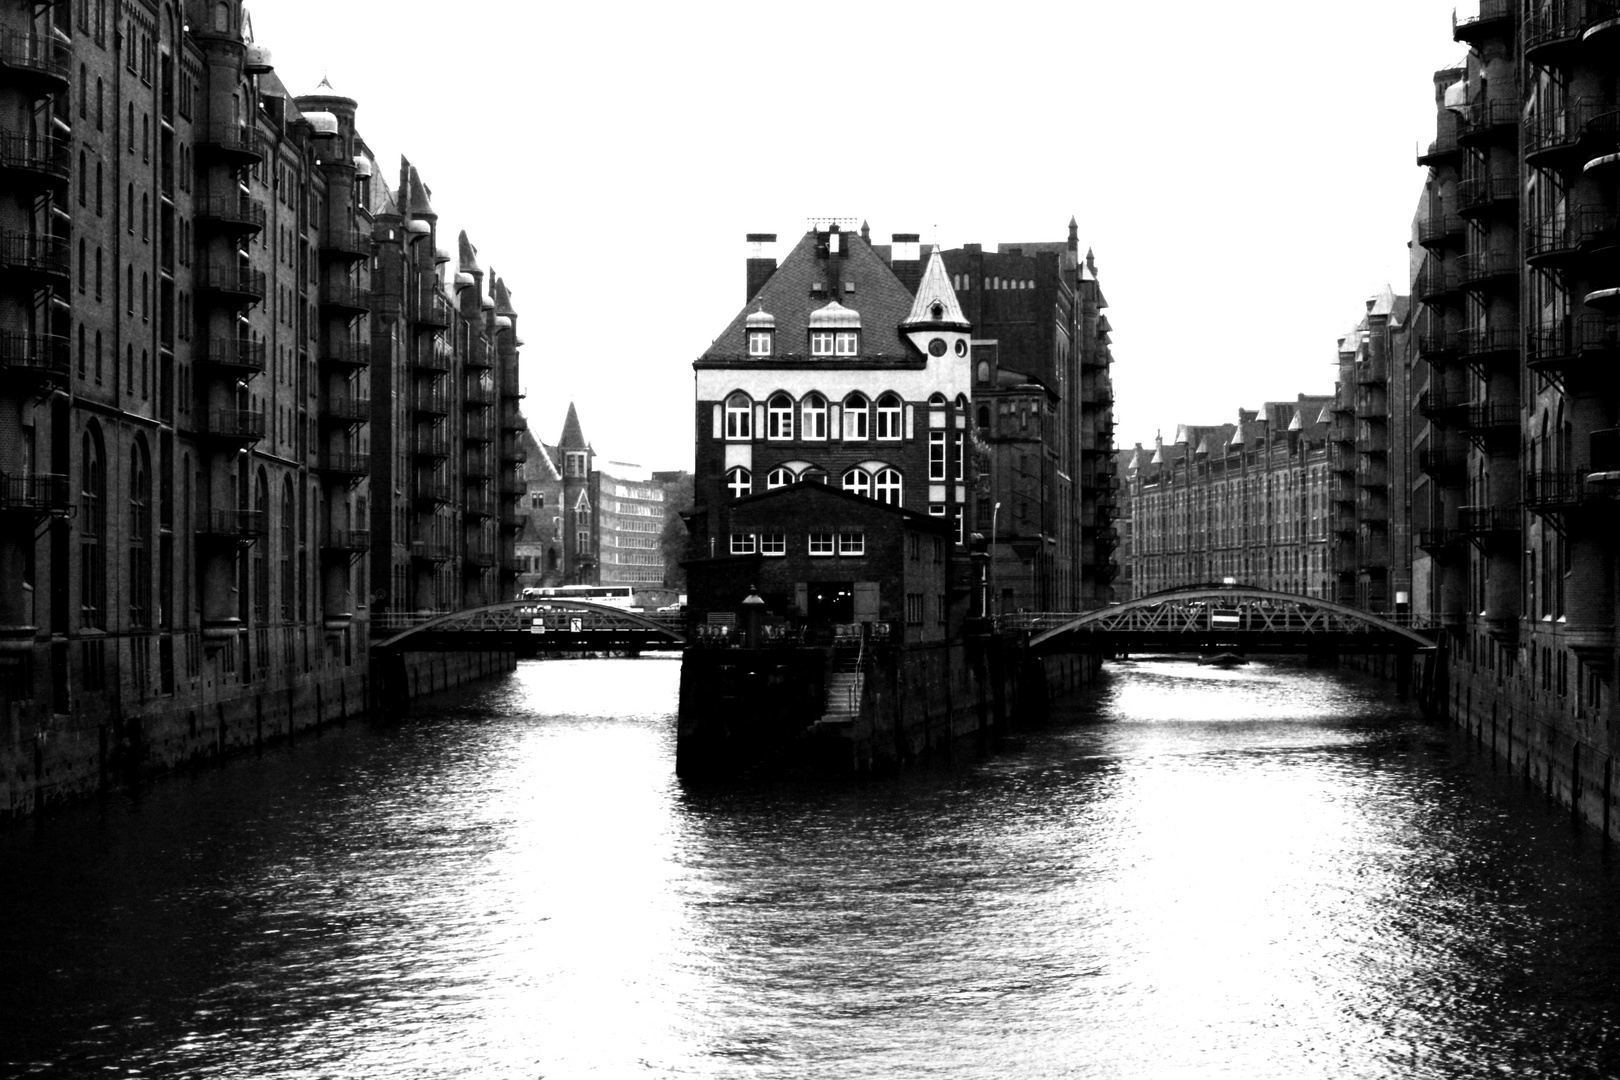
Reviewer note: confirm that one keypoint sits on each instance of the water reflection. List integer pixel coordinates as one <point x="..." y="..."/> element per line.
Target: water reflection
<point x="1256" y="872"/>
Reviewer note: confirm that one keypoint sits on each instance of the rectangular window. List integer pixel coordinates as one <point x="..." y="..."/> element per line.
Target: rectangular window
<point x="846" y="343"/>
<point x="852" y="543"/>
<point x="914" y="608"/>
<point x="773" y="543"/>
<point x="959" y="456"/>
<point x="939" y="608"/>
<point x="821" y="343"/>
<point x="742" y="543"/>
<point x="936" y="455"/>
<point x="821" y="543"/>
<point x="759" y="343"/>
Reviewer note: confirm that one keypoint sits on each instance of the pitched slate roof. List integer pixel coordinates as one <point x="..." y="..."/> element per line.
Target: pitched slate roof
<point x="572" y="435"/>
<point x="879" y="296"/>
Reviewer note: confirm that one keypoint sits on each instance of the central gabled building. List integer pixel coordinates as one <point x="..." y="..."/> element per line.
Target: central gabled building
<point x="836" y="373"/>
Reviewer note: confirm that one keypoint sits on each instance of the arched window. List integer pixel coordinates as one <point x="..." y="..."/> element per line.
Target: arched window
<point x="813" y="417"/>
<point x="779" y="478"/>
<point x="287" y="544"/>
<point x="140" y="534"/>
<point x="739" y="482"/>
<point x="856" y="413"/>
<point x="888" y="417"/>
<point x="858" y="482"/>
<point x="886" y="486"/>
<point x="813" y="475"/>
<point x="92" y="530"/>
<point x="779" y="417"/>
<point x="261" y="564"/>
<point x="739" y="417"/>
<point x="937" y="400"/>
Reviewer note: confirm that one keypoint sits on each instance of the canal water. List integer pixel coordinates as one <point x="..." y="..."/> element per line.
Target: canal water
<point x="1269" y="871"/>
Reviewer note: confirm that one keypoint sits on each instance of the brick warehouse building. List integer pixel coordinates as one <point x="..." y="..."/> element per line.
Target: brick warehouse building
<point x="1520" y="290"/>
<point x="834" y="373"/>
<point x="194" y="461"/>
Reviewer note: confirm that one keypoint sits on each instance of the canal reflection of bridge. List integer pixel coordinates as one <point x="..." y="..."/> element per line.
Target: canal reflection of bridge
<point x="1188" y="619"/>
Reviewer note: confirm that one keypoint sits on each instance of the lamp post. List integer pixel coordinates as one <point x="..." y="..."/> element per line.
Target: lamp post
<point x="995" y="512"/>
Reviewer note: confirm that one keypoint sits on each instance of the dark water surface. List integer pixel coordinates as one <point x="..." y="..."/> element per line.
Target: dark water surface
<point x="1266" y="872"/>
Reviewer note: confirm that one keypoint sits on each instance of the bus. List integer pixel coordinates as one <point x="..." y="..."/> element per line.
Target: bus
<point x="619" y="596"/>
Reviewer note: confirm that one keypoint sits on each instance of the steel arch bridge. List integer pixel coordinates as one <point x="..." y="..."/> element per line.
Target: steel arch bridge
<point x="549" y="625"/>
<point x="1213" y="617"/>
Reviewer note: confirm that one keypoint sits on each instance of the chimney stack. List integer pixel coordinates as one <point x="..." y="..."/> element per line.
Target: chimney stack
<point x="761" y="261"/>
<point x="905" y="259"/>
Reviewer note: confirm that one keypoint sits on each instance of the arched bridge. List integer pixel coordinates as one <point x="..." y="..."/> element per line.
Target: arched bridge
<point x="1220" y="617"/>
<point x="527" y="627"/>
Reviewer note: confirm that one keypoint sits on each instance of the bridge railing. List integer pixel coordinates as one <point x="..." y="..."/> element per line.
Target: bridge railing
<point x="529" y="617"/>
<point x="1203" y="618"/>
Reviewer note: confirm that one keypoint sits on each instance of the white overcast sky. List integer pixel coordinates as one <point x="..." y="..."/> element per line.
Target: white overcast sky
<point x="1243" y="170"/>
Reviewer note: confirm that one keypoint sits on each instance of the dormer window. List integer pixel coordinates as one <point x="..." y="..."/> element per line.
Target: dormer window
<point x="835" y="330"/>
<point x="759" y="342"/>
<point x="846" y="343"/>
<point x="821" y="343"/>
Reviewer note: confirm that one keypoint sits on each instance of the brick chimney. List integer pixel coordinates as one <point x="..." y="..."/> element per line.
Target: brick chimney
<point x="761" y="261"/>
<point x="905" y="259"/>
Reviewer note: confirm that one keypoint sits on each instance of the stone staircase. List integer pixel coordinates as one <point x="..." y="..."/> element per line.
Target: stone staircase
<point x="845" y="681"/>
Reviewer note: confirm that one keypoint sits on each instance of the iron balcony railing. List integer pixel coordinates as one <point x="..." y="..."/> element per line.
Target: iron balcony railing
<point x="1597" y="229"/>
<point x="1491" y="16"/>
<point x="432" y="489"/>
<point x="432" y="309"/>
<point x="237" y="356"/>
<point x="345" y="295"/>
<point x="1439" y="151"/>
<point x="1479" y="193"/>
<point x="38" y="56"/>
<point x="1436" y="279"/>
<point x="347" y="354"/>
<point x="1479" y="267"/>
<point x="40" y="356"/>
<point x="245" y="425"/>
<point x="347" y="540"/>
<point x="479" y="354"/>
<point x="1489" y="341"/>
<point x="35" y="253"/>
<point x="434" y="443"/>
<point x="430" y="550"/>
<point x="347" y="409"/>
<point x="1437" y="344"/>
<point x="345" y="463"/>
<point x="344" y="240"/>
<point x="433" y="401"/>
<point x="479" y="395"/>
<point x="1484" y="416"/>
<point x="1482" y="520"/>
<point x="1550" y="238"/>
<point x="41" y="155"/>
<point x="39" y="493"/>
<point x="236" y="280"/>
<point x="242" y="211"/>
<point x="233" y="140"/>
<point x="1438" y="228"/>
<point x="232" y="524"/>
<point x="479" y="557"/>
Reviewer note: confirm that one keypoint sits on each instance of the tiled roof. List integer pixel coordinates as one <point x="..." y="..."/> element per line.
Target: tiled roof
<point x="881" y="299"/>
<point x="934" y="291"/>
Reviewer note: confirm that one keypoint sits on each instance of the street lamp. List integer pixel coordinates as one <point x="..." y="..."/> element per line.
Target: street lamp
<point x="995" y="512"/>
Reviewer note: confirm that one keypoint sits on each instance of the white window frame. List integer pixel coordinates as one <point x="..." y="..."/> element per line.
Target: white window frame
<point x="779" y="418"/>
<point x="742" y="543"/>
<point x="738" y="478"/>
<point x="820" y="545"/>
<point x="847" y="343"/>
<point x="936" y="455"/>
<point x="960" y="445"/>
<point x="779" y="477"/>
<point x="821" y="343"/>
<point x="887" y="482"/>
<point x="813" y="417"/>
<point x="857" y="481"/>
<point x="889" y="417"/>
<point x="759" y="342"/>
<point x="739" y="418"/>
<point x="857" y="418"/>
<point x="852" y="543"/>
<point x="773" y="545"/>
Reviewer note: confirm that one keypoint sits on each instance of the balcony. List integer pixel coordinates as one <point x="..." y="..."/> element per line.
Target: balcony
<point x="479" y="396"/>
<point x="479" y="354"/>
<point x="1372" y="473"/>
<point x="1551" y="493"/>
<point x="1587" y="342"/>
<point x="478" y="429"/>
<point x="1487" y="346"/>
<point x="345" y="543"/>
<point x="1439" y="230"/>
<point x="345" y="298"/>
<point x="235" y="144"/>
<point x="1442" y="462"/>
<point x="235" y="358"/>
<point x="39" y="63"/>
<point x="432" y="310"/>
<point x="238" y="215"/>
<point x="430" y="551"/>
<point x="1551" y="33"/>
<point x="478" y="503"/>
<point x="1342" y="489"/>
<point x="1437" y="346"/>
<point x="477" y="470"/>
<point x="479" y="558"/>
<point x="433" y="356"/>
<point x="1551" y="242"/>
<point x="34" y="359"/>
<point x="1480" y="270"/>
<point x="1487" y="520"/>
<point x="36" y="495"/>
<point x="345" y="243"/>
<point x="42" y="161"/>
<point x="1491" y="418"/>
<point x="1487" y="120"/>
<point x="1439" y="402"/>
<point x="238" y="427"/>
<point x="346" y="410"/>
<point x="1435" y="281"/>
<point x="430" y="401"/>
<point x="240" y="527"/>
<point x="1597" y="232"/>
<point x="1492" y="17"/>
<point x="1437" y="541"/>
<point x="512" y="521"/>
<point x="1479" y="196"/>
<point x="430" y="443"/>
<point x="240" y="286"/>
<point x="345" y="465"/>
<point x="432" y="491"/>
<point x="1442" y="151"/>
<point x="512" y="421"/>
<point x="43" y="261"/>
<point x="346" y="355"/>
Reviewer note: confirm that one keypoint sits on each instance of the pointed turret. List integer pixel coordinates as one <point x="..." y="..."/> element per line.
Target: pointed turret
<point x="469" y="256"/>
<point x="573" y="436"/>
<point x="936" y="306"/>
<point x="417" y="197"/>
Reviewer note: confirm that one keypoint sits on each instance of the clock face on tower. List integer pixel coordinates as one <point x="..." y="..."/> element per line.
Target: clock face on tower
<point x="961" y="347"/>
<point x="937" y="347"/>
